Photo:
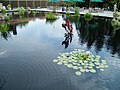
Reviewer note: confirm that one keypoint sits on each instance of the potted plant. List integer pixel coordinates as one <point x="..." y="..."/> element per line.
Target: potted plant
<point x="88" y="16"/>
<point x="9" y="7"/>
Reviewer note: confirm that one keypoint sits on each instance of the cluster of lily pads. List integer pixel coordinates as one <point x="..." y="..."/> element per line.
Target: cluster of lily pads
<point x="81" y="61"/>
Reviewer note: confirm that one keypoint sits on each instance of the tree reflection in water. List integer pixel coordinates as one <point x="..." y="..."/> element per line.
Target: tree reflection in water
<point x="98" y="33"/>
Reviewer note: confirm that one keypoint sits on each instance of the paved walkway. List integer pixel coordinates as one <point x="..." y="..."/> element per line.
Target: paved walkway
<point x="108" y="14"/>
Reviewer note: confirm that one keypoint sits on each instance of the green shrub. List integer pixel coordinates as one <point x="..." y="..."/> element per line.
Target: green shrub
<point x="4" y="27"/>
<point x="54" y="9"/>
<point x="8" y="6"/>
<point x="21" y="11"/>
<point x="88" y="16"/>
<point x="67" y="13"/>
<point x="6" y="18"/>
<point x="116" y="23"/>
<point x="34" y="12"/>
<point x="28" y="10"/>
<point x="3" y="11"/>
<point x="76" y="12"/>
<point x="50" y="16"/>
<point x="115" y="14"/>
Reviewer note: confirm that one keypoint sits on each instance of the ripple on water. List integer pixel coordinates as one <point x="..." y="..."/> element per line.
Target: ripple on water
<point x="28" y="71"/>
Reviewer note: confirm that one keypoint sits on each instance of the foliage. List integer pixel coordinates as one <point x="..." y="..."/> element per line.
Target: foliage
<point x="34" y="12"/>
<point x="68" y="13"/>
<point x="4" y="27"/>
<point x="74" y="19"/>
<point x="3" y="11"/>
<point x="68" y="3"/>
<point x="6" y="18"/>
<point x="115" y="14"/>
<point x="116" y="23"/>
<point x="50" y="21"/>
<point x="28" y="10"/>
<point x="81" y="61"/>
<point x="76" y="12"/>
<point x="21" y="11"/>
<point x="50" y="16"/>
<point x="88" y="16"/>
<point x="8" y="6"/>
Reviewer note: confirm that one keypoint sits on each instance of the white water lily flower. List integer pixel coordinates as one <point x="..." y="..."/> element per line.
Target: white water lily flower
<point x="78" y="73"/>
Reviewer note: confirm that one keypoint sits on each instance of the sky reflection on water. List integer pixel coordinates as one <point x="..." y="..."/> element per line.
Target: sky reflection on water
<point x="27" y="63"/>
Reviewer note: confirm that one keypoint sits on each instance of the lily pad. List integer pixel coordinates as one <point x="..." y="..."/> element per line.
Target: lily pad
<point x="78" y="73"/>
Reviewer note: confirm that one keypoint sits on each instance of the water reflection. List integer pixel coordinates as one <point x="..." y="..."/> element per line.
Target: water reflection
<point x="68" y="39"/>
<point x="113" y="43"/>
<point x="95" y="34"/>
<point x="30" y="64"/>
<point x="4" y="27"/>
<point x="68" y="36"/>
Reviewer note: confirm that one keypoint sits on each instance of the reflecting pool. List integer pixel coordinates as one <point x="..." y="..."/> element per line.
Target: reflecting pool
<point x="28" y="48"/>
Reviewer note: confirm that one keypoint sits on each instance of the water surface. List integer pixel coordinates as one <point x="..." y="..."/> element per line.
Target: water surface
<point x="26" y="55"/>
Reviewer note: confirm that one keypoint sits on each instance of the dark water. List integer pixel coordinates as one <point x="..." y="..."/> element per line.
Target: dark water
<point x="26" y="55"/>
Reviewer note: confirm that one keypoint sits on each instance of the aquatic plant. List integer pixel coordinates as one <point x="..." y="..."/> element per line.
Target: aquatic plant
<point x="116" y="23"/>
<point x="88" y="16"/>
<point x="76" y="12"/>
<point x="3" y="11"/>
<point x="81" y="61"/>
<point x="50" y="16"/>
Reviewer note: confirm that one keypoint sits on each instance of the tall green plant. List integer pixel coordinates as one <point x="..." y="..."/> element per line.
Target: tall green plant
<point x="88" y="16"/>
<point x="76" y="12"/>
<point x="6" y="18"/>
<point x="21" y="11"/>
<point x="3" y="11"/>
<point x="116" y="23"/>
<point x="4" y="27"/>
<point x="50" y="16"/>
